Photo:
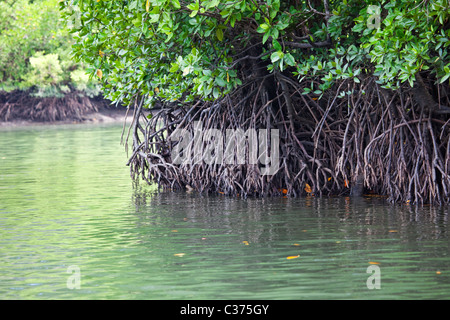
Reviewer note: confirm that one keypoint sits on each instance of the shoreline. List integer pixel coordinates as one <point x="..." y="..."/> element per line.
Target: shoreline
<point x="102" y="116"/>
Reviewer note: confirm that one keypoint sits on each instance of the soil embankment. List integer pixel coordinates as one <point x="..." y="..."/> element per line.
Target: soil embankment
<point x="19" y="108"/>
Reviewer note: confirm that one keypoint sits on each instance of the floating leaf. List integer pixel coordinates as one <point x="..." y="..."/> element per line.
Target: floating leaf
<point x="296" y="244"/>
<point x="393" y="230"/>
<point x="245" y="242"/>
<point x="438" y="272"/>
<point x="179" y="254"/>
<point x="373" y="262"/>
<point x="292" y="257"/>
<point x="308" y="188"/>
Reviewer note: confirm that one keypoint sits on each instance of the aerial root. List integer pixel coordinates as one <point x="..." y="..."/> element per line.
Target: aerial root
<point x="21" y="105"/>
<point x="378" y="143"/>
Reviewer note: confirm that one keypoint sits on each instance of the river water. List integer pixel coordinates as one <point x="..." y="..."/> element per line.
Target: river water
<point x="73" y="226"/>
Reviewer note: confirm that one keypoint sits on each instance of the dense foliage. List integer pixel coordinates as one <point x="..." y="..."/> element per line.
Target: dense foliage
<point x="35" y="50"/>
<point x="184" y="50"/>
<point x="359" y="90"/>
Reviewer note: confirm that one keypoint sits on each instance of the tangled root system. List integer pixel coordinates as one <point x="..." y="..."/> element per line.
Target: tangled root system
<point x="368" y="140"/>
<point x="20" y="105"/>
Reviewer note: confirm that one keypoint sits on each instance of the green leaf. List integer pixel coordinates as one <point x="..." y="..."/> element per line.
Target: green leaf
<point x="276" y="45"/>
<point x="174" y="67"/>
<point x="289" y="59"/>
<point x="221" y="82"/>
<point x="194" y="6"/>
<point x="176" y="4"/>
<point x="276" y="56"/>
<point x="219" y="33"/>
<point x="212" y="4"/>
<point x="263" y="28"/>
<point x="447" y="69"/>
<point x="215" y="93"/>
<point x="187" y="70"/>
<point x="444" y="78"/>
<point x="319" y="65"/>
<point x="133" y="5"/>
<point x="274" y="33"/>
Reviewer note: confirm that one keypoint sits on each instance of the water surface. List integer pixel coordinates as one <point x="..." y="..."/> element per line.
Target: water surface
<point x="67" y="203"/>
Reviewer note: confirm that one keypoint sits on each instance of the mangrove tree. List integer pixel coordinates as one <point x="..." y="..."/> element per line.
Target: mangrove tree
<point x="358" y="90"/>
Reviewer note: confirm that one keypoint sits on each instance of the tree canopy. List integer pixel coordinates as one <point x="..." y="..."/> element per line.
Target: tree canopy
<point x="178" y="50"/>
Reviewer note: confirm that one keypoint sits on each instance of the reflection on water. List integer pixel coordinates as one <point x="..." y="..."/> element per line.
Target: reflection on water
<point x="66" y="199"/>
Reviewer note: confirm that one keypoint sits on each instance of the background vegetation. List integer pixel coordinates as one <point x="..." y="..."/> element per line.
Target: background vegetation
<point x="35" y="51"/>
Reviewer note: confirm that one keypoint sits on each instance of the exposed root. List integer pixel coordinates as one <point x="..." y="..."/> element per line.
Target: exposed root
<point x="379" y="142"/>
<point x="20" y="105"/>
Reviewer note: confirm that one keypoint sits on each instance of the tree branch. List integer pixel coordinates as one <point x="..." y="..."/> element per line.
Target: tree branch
<point x="311" y="44"/>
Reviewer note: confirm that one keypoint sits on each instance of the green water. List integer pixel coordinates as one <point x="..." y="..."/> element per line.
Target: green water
<point x="67" y="203"/>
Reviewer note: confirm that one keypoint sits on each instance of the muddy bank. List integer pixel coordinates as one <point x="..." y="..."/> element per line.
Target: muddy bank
<point x="100" y="116"/>
<point x="20" y="108"/>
